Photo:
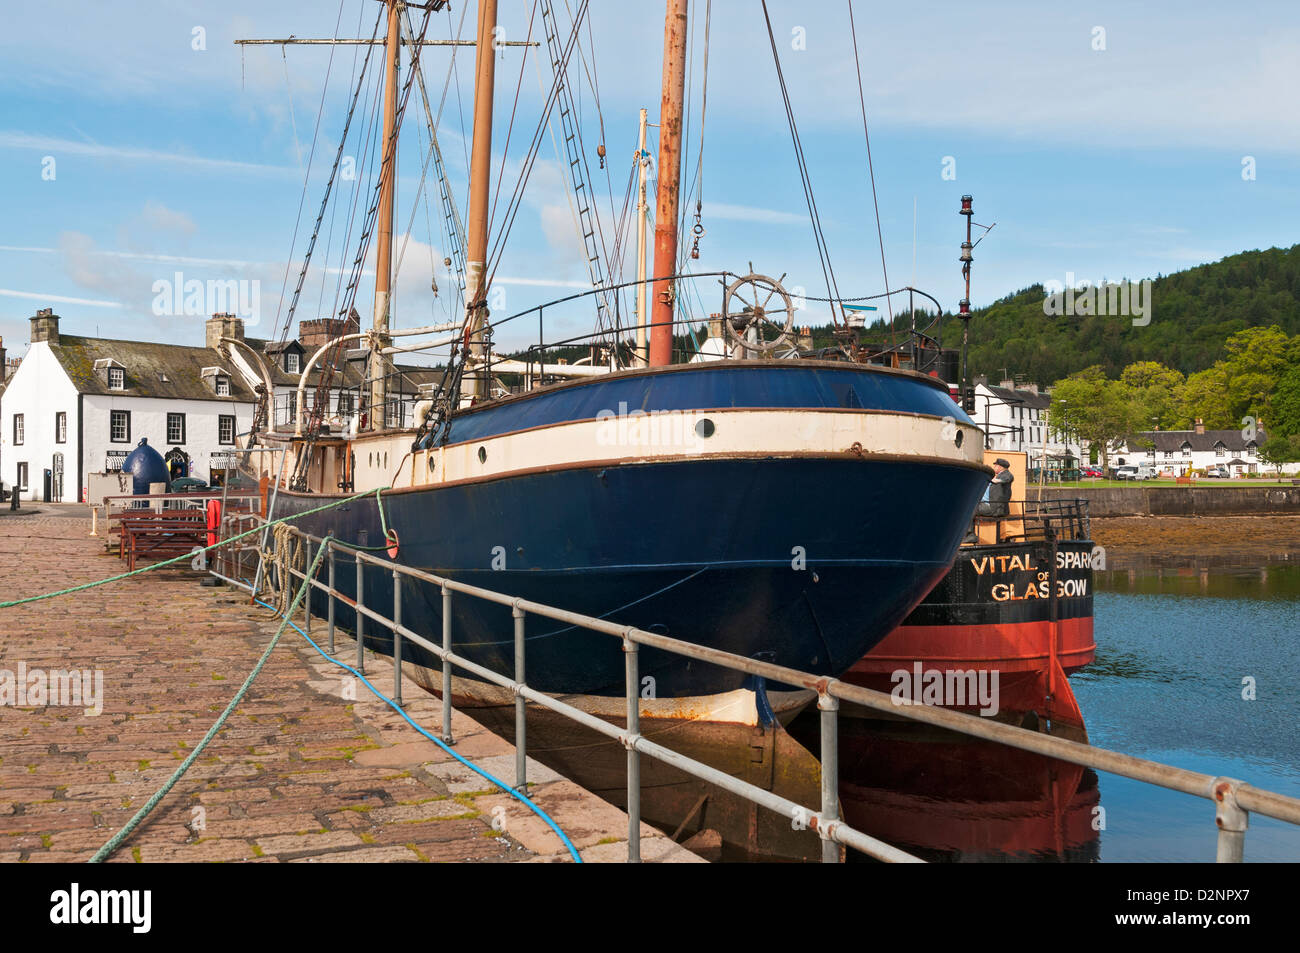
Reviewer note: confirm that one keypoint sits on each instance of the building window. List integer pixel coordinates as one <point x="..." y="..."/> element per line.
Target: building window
<point x="1169" y="454"/>
<point x="22" y="476"/>
<point x="345" y="404"/>
<point x="1219" y="451"/>
<point x="225" y="429"/>
<point x="222" y="386"/>
<point x="1187" y="450"/>
<point x="1250" y="451"/>
<point x="61" y="427"/>
<point x="175" y="428"/>
<point x="20" y="431"/>
<point x="119" y="426"/>
<point x="291" y="362"/>
<point x="116" y="378"/>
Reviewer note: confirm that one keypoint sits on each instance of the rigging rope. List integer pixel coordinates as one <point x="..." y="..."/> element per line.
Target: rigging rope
<point x="823" y="252"/>
<point x="857" y="63"/>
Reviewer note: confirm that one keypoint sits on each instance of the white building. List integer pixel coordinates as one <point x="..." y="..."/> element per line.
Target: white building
<point x="1016" y="418"/>
<point x="78" y="405"/>
<point x="1179" y="451"/>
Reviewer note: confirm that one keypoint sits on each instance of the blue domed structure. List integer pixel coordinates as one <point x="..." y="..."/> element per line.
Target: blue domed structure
<point x="145" y="464"/>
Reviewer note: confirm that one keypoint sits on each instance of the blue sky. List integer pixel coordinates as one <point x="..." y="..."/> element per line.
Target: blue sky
<point x="1122" y="161"/>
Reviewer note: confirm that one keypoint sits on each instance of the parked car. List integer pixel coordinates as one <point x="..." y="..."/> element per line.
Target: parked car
<point x="1126" y="473"/>
<point x="1092" y="472"/>
<point x="1217" y="473"/>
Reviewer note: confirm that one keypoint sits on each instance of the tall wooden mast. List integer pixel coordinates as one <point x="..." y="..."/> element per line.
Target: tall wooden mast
<point x="474" y="382"/>
<point x="378" y="369"/>
<point x="670" y="173"/>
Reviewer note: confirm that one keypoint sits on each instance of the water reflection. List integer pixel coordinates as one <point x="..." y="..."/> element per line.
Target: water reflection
<point x="947" y="798"/>
<point x="1273" y="581"/>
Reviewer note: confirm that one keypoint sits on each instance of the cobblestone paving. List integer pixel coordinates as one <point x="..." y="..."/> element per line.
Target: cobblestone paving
<point x="301" y="772"/>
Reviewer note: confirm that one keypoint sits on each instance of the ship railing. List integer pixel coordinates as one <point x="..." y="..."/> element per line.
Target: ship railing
<point x="1048" y="520"/>
<point x="1234" y="800"/>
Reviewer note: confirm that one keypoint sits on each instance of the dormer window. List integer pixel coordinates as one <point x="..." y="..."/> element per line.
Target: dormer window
<point x="116" y="378"/>
<point x="217" y="379"/>
<point x="291" y="362"/>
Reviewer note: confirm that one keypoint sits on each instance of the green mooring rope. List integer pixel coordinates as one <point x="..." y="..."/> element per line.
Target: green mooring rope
<point x="116" y="840"/>
<point x="379" y="501"/>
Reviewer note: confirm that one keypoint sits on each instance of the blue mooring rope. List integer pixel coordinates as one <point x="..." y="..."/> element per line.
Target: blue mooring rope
<point x="573" y="851"/>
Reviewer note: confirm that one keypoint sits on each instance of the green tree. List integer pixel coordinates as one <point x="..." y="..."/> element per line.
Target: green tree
<point x="1205" y="395"/>
<point x="1284" y="418"/>
<point x="1096" y="408"/>
<point x="1279" y="450"/>
<point x="1155" y="389"/>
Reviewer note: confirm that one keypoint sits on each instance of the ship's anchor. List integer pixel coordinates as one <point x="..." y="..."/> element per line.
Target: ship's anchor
<point x="758" y="315"/>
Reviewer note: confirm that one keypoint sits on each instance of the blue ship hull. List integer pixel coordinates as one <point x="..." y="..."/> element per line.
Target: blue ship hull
<point x="805" y="561"/>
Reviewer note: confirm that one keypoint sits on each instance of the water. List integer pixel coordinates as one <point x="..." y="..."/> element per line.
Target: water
<point x="1173" y="649"/>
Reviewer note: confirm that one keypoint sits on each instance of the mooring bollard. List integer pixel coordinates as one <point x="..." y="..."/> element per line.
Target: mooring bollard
<point x="397" y="639"/>
<point x="521" y="753"/>
<point x="446" y="666"/>
<point x="633" y="756"/>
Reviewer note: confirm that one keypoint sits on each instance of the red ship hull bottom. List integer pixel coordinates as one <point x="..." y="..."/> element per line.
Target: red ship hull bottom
<point x="1032" y="671"/>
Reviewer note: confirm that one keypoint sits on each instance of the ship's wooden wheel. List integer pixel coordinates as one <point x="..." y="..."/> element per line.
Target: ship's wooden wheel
<point x="758" y="315"/>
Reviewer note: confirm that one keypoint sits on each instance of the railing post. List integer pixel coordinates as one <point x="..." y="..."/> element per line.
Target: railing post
<point x="631" y="661"/>
<point x="307" y="581"/>
<point x="1232" y="821"/>
<point x="829" y="705"/>
<point x="446" y="666"/>
<point x="329" y="605"/>
<point x="361" y="619"/>
<point x="521" y="752"/>
<point x="397" y="639"/>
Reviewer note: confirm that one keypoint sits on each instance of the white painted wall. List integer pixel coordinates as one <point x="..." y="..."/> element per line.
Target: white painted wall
<point x="149" y="420"/>
<point x="38" y="390"/>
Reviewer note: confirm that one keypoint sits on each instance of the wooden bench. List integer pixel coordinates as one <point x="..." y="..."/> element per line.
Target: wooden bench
<point x="1185" y="480"/>
<point x="160" y="534"/>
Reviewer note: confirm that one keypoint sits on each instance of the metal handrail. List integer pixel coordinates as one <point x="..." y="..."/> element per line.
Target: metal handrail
<point x="1233" y="799"/>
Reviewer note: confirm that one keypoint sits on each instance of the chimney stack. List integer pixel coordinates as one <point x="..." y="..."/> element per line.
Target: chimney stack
<point x="45" y="326"/>
<point x="223" y="326"/>
<point x="1200" y="425"/>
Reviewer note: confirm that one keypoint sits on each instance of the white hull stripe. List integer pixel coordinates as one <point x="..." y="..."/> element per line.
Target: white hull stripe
<point x="666" y="437"/>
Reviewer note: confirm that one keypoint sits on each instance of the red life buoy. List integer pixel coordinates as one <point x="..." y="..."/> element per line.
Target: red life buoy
<point x="391" y="538"/>
<point x="214" y="520"/>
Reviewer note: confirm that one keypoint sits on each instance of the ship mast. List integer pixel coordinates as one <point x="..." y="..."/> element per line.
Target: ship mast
<point x="378" y="369"/>
<point x="670" y="173"/>
<point x="473" y="384"/>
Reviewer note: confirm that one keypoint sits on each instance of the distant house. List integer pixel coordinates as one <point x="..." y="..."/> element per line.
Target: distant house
<point x="1179" y="451"/>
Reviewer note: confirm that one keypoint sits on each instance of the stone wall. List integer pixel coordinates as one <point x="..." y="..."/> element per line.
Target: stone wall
<point x="1181" y="500"/>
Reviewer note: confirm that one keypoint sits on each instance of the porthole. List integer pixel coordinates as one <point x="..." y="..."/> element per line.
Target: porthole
<point x="961" y="435"/>
<point x="704" y="428"/>
<point x="482" y="454"/>
<point x="430" y="463"/>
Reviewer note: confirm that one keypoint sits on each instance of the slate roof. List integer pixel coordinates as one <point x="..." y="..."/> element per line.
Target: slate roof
<point x="1021" y="398"/>
<point x="1171" y="441"/>
<point x="146" y="365"/>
